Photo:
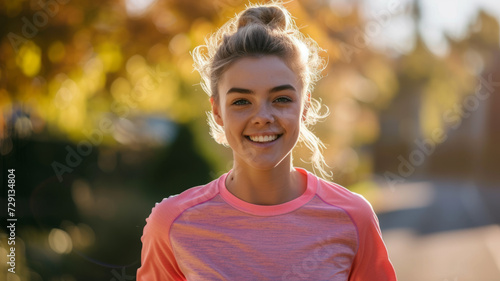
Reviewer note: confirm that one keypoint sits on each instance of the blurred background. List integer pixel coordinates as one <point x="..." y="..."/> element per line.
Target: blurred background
<point x="102" y="116"/>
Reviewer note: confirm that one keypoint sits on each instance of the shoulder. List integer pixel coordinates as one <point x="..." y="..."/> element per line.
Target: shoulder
<point x="357" y="207"/>
<point x="165" y="212"/>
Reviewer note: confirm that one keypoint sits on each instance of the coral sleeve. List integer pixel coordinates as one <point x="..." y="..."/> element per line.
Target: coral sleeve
<point x="372" y="260"/>
<point x="157" y="258"/>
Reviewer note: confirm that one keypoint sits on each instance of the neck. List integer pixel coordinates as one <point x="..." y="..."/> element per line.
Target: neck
<point x="266" y="187"/>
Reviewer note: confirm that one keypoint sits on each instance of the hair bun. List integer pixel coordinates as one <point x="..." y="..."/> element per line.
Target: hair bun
<point x="271" y="16"/>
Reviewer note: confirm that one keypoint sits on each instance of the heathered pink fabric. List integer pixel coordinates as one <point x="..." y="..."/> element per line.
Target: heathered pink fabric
<point x="206" y="233"/>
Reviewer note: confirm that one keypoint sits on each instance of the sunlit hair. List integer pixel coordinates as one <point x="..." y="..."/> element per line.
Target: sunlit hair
<point x="265" y="29"/>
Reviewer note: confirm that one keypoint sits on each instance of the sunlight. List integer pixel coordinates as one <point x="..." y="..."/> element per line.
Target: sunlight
<point x="138" y="7"/>
<point x="59" y="241"/>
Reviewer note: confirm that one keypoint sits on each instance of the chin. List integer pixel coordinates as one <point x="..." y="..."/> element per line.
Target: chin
<point x="267" y="165"/>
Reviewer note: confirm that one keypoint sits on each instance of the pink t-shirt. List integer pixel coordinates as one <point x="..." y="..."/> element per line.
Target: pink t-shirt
<point x="207" y="233"/>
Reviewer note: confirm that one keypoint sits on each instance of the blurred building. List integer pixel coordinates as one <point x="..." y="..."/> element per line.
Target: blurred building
<point x="465" y="145"/>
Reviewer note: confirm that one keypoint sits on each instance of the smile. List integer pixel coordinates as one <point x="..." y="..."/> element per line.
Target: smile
<point x="269" y="138"/>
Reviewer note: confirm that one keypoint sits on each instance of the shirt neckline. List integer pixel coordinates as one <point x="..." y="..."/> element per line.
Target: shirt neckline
<point x="269" y="210"/>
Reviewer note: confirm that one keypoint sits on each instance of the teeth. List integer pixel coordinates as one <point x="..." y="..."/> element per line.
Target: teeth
<point x="263" y="138"/>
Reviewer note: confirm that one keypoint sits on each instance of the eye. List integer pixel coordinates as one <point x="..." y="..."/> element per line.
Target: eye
<point x="283" y="100"/>
<point x="240" y="102"/>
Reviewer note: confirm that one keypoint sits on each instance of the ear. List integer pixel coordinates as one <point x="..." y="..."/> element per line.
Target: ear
<point x="307" y="103"/>
<point x="216" y="112"/>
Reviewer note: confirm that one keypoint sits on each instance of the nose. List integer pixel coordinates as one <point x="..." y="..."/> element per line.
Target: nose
<point x="263" y="115"/>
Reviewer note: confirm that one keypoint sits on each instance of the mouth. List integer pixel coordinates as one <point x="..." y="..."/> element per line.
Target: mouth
<point x="263" y="139"/>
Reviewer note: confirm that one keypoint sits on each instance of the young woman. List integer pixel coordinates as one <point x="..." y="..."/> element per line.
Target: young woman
<point x="264" y="219"/>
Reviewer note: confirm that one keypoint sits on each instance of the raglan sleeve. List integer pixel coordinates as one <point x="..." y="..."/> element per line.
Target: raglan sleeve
<point x="157" y="258"/>
<point x="372" y="260"/>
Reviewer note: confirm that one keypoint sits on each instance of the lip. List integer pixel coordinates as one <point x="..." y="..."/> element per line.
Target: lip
<point x="263" y="134"/>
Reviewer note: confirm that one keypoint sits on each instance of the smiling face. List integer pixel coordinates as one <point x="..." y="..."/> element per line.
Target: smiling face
<point x="260" y="107"/>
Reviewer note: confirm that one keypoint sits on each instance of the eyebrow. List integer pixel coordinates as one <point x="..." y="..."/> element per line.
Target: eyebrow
<point x="273" y="90"/>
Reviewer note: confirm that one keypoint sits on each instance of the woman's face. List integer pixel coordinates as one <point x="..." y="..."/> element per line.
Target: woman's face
<point x="260" y="107"/>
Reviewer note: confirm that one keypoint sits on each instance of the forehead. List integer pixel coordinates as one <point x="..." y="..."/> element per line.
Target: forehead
<point x="258" y="73"/>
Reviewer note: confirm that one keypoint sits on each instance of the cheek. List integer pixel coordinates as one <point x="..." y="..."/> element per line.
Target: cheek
<point x="232" y="125"/>
<point x="293" y="115"/>
<point x="294" y="122"/>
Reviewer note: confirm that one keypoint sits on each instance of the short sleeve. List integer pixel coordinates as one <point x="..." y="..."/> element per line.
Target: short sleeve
<point x="372" y="260"/>
<point x="157" y="258"/>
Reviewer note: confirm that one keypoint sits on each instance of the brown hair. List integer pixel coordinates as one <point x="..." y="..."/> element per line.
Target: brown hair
<point x="264" y="29"/>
